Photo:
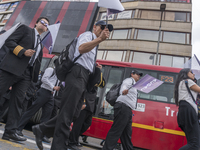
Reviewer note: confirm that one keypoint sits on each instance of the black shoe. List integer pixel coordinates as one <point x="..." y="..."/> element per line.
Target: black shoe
<point x="79" y="145"/>
<point x="84" y="138"/>
<point x="13" y="136"/>
<point x="0" y="124"/>
<point x="19" y="133"/>
<point x="38" y="136"/>
<point x="72" y="147"/>
<point x="45" y="139"/>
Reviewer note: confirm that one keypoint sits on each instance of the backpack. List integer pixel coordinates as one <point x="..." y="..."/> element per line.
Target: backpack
<point x="113" y="94"/>
<point x="65" y="61"/>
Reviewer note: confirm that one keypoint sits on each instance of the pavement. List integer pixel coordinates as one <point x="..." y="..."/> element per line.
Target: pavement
<point x="31" y="145"/>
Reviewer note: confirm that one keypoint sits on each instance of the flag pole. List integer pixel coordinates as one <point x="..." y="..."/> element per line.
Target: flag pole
<point x="107" y="19"/>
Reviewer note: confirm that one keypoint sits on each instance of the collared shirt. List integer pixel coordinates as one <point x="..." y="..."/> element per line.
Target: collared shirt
<point x="39" y="46"/>
<point x="183" y="93"/>
<point x="49" y="79"/>
<point x="129" y="99"/>
<point x="87" y="60"/>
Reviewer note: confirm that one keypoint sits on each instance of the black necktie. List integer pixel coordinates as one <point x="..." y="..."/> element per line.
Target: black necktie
<point x="33" y="57"/>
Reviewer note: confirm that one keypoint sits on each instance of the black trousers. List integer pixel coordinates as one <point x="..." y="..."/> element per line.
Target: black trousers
<point x="19" y="88"/>
<point x="44" y="100"/>
<point x="72" y="99"/>
<point x="121" y="128"/>
<point x="188" y="121"/>
<point x="4" y="103"/>
<point x="82" y="123"/>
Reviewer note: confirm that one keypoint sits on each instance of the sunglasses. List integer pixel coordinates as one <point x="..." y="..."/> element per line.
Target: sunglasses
<point x="191" y="72"/>
<point x="44" y="23"/>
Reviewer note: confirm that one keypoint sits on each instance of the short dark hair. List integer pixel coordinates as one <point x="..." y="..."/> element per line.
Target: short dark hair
<point x="40" y="18"/>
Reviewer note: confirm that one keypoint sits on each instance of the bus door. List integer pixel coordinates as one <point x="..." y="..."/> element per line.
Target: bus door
<point x="102" y="120"/>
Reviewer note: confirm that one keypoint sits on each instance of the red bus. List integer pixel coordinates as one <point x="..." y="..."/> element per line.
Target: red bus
<point x="154" y="124"/>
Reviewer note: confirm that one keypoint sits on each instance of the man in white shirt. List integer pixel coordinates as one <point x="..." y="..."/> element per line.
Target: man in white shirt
<point x="73" y="94"/>
<point x="44" y="99"/>
<point x="122" y="124"/>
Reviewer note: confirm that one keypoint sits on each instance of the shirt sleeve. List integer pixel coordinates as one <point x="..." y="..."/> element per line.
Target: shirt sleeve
<point x="191" y="83"/>
<point x="127" y="83"/>
<point x="45" y="78"/>
<point x="84" y="38"/>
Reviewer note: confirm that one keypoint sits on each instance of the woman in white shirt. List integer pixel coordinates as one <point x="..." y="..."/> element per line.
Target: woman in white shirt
<point x="188" y="112"/>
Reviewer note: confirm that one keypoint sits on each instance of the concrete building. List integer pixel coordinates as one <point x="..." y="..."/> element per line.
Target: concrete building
<point x="136" y="31"/>
<point x="6" y="9"/>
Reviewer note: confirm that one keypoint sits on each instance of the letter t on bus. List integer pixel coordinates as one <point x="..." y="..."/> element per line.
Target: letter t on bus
<point x="167" y="110"/>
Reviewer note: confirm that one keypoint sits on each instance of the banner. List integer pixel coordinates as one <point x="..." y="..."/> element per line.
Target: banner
<point x="49" y="40"/>
<point x="113" y="6"/>
<point x="194" y="65"/>
<point x="147" y="84"/>
<point x="6" y="34"/>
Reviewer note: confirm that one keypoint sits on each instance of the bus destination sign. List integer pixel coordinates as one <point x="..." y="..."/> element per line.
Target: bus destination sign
<point x="166" y="78"/>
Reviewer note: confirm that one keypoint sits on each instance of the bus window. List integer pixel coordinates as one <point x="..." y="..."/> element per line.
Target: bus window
<point x="165" y="91"/>
<point x="115" y="76"/>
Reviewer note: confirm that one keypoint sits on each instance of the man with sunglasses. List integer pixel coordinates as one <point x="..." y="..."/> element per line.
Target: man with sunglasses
<point x="20" y="63"/>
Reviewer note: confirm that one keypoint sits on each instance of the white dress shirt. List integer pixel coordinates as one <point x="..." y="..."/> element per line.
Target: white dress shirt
<point x="49" y="79"/>
<point x="129" y="99"/>
<point x="87" y="60"/>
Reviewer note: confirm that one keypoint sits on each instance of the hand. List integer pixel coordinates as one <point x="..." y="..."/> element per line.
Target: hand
<point x="104" y="34"/>
<point x="125" y="92"/>
<point x="83" y="106"/>
<point x="99" y="66"/>
<point x="57" y="88"/>
<point x="29" y="52"/>
<point x="10" y="88"/>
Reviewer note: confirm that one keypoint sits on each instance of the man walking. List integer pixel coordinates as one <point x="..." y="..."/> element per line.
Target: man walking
<point x="75" y="86"/>
<point x="44" y="99"/>
<point x="20" y="63"/>
<point x="122" y="124"/>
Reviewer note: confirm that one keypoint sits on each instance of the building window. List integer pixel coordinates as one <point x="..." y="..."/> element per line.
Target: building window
<point x="177" y="16"/>
<point x="175" y="37"/>
<point x="121" y="34"/>
<point x="143" y="58"/>
<point x="166" y="60"/>
<point x="171" y="37"/>
<point x="13" y="6"/>
<point x="111" y="55"/>
<point x="5" y="18"/>
<point x="4" y="7"/>
<point x="178" y="62"/>
<point x="146" y="35"/>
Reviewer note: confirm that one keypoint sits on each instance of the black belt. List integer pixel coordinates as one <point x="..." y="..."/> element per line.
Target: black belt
<point x="124" y="104"/>
<point x="88" y="71"/>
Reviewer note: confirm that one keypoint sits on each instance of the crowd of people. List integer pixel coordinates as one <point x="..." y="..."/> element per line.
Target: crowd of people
<point x="20" y="60"/>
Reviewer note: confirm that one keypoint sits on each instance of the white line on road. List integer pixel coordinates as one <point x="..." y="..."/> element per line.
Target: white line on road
<point x="31" y="141"/>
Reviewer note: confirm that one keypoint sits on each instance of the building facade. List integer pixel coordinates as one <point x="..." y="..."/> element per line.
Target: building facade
<point x="6" y="9"/>
<point x="136" y="30"/>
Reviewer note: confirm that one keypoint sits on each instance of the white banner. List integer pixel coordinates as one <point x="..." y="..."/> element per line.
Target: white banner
<point x="5" y="35"/>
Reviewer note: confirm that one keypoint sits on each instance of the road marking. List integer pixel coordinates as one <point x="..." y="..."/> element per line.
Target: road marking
<point x="28" y="140"/>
